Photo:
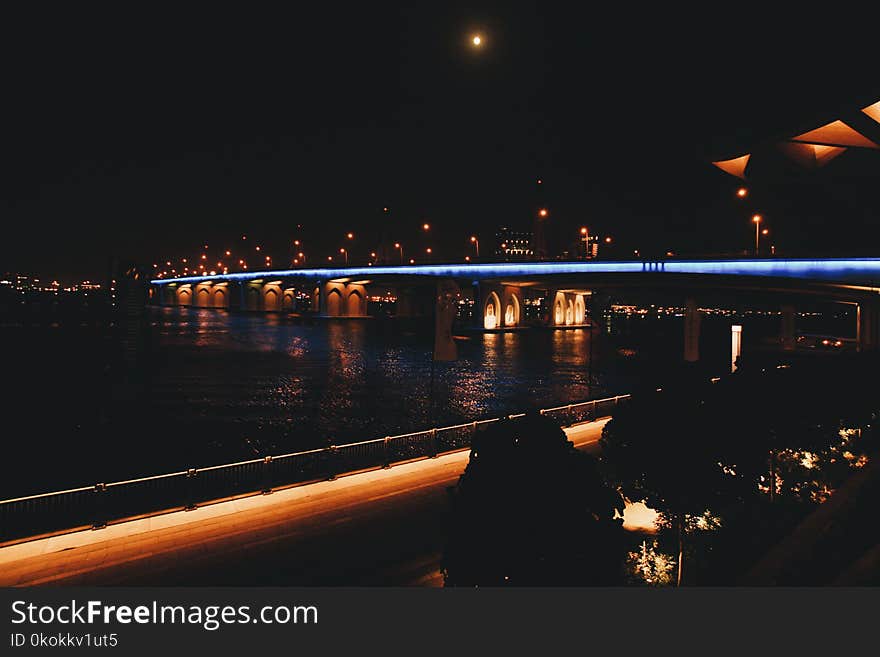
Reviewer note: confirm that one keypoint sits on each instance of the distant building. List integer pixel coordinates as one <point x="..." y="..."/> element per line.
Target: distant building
<point x="513" y="244"/>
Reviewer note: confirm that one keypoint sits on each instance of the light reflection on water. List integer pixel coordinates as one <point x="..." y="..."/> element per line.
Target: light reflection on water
<point x="287" y="385"/>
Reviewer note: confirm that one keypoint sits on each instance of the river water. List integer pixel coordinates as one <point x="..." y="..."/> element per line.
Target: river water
<point x="217" y="387"/>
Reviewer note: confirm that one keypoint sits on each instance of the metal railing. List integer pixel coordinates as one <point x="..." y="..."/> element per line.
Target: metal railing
<point x="96" y="506"/>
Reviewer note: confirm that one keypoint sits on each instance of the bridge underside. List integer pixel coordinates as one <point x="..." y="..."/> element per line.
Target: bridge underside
<point x="566" y="300"/>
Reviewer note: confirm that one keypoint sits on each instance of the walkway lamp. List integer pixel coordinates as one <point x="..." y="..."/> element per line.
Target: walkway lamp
<point x="757" y="221"/>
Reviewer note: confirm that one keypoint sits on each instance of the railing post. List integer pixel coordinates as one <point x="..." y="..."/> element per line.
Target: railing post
<point x="190" y="503"/>
<point x="435" y="446"/>
<point x="99" y="515"/>
<point x="386" y="453"/>
<point x="331" y="462"/>
<point x="267" y="475"/>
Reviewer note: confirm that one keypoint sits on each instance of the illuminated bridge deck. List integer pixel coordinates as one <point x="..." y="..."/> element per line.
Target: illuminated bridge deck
<point x="855" y="271"/>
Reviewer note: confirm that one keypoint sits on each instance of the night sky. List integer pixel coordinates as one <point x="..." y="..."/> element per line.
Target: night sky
<point x="145" y="135"/>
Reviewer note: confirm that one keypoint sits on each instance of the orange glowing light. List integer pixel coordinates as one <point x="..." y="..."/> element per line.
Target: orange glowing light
<point x="766" y="231"/>
<point x="735" y="166"/>
<point x="757" y="218"/>
<point x="742" y="192"/>
<point x="607" y="240"/>
<point x="477" y="40"/>
<point x="228" y="252"/>
<point x="543" y="212"/>
<point x="397" y="245"/>
<point x="583" y="230"/>
<point x="428" y="250"/>
<point x="350" y="236"/>
<point x="426" y="226"/>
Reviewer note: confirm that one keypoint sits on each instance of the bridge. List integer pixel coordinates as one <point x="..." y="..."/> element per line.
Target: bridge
<point x="568" y="291"/>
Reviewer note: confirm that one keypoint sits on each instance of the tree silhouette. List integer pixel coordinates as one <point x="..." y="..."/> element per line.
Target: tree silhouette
<point x="531" y="510"/>
<point x="660" y="449"/>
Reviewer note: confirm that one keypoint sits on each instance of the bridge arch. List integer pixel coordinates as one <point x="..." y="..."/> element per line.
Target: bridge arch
<point x="580" y="309"/>
<point x="220" y="298"/>
<point x="334" y="303"/>
<point x="492" y="311"/>
<point x="287" y="300"/>
<point x="270" y="299"/>
<point x="357" y="305"/>
<point x="184" y="296"/>
<point x="569" y="312"/>
<point x="203" y="297"/>
<point x="512" y="309"/>
<point x="559" y="309"/>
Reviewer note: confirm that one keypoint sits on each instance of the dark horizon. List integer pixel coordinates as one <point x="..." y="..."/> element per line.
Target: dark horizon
<point x="143" y="138"/>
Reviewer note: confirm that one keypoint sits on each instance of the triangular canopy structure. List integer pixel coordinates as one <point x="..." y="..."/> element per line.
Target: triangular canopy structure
<point x="736" y="166"/>
<point x="836" y="133"/>
<point x="811" y="156"/>
<point x="873" y="111"/>
<point x="816" y="148"/>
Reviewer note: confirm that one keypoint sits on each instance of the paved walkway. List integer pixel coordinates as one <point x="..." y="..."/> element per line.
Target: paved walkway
<point x="377" y="527"/>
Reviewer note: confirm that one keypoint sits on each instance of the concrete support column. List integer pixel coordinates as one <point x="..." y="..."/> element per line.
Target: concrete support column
<point x="787" y="328"/>
<point x="477" y="308"/>
<point x="183" y="295"/>
<point x="691" y="331"/>
<point x="868" y="325"/>
<point x="236" y="295"/>
<point x="337" y="299"/>
<point x="497" y="306"/>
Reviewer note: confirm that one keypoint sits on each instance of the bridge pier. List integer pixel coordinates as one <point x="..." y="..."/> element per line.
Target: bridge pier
<point x="692" y="319"/>
<point x="787" y="328"/>
<point x="338" y="299"/>
<point x="567" y="308"/>
<point x="868" y="325"/>
<point x="497" y="306"/>
<point x="414" y="302"/>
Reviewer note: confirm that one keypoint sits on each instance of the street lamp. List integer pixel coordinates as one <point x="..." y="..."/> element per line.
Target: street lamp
<point x="476" y="244"/>
<point x="543" y="213"/>
<point x="757" y="221"/>
<point x="345" y="253"/>
<point x="742" y="192"/>
<point x="426" y="227"/>
<point x="350" y="236"/>
<point x="399" y="246"/>
<point x="586" y="240"/>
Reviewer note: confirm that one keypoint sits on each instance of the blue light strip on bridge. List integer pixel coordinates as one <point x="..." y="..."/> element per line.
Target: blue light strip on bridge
<point x="864" y="270"/>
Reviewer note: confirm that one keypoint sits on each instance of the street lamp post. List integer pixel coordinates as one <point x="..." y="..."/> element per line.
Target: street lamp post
<point x="757" y="221"/>
<point x="399" y="247"/>
<point x="345" y="253"/>
<point x="476" y="244"/>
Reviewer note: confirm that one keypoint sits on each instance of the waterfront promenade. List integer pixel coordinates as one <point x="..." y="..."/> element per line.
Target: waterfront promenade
<point x="381" y="527"/>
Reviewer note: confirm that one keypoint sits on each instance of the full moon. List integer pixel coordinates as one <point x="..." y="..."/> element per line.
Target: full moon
<point x="477" y="40"/>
